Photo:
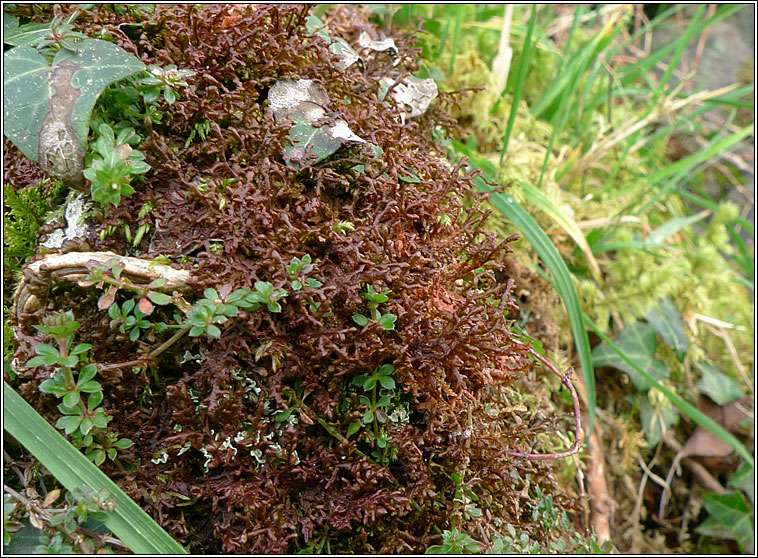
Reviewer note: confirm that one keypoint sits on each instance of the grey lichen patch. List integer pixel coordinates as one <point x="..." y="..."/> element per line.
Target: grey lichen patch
<point x="76" y="209"/>
<point x="412" y="95"/>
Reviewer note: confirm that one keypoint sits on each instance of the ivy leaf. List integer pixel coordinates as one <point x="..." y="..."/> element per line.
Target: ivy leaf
<point x="639" y="342"/>
<point x="744" y="479"/>
<point x="666" y="319"/>
<point x="730" y="517"/>
<point x="718" y="386"/>
<point x="28" y="34"/>
<point x="59" y="99"/>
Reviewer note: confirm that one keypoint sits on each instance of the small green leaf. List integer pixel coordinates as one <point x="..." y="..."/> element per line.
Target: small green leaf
<point x="71" y="398"/>
<point x="80" y="348"/>
<point x="274" y="307"/>
<point x="160" y="299"/>
<point x="87" y="373"/>
<point x="97" y="457"/>
<point x="69" y="423"/>
<point x="414" y="179"/>
<point x="213" y="332"/>
<point x="360" y="319"/>
<point x="89" y="387"/>
<point x="196" y="331"/>
<point x="387" y="321"/>
<point x="86" y="425"/>
<point x="123" y="443"/>
<point x="387" y="382"/>
<point x="353" y="427"/>
<point x="69" y="361"/>
<point x="54" y="387"/>
<point x="94" y="400"/>
<point x="36" y="361"/>
<point x="44" y="349"/>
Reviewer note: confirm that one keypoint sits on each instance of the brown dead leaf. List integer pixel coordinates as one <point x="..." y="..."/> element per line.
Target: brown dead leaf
<point x="703" y="443"/>
<point x="51" y="497"/>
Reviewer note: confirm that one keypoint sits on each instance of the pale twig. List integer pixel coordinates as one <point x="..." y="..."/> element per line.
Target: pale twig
<point x="697" y="469"/>
<point x="640" y="493"/>
<point x="722" y="333"/>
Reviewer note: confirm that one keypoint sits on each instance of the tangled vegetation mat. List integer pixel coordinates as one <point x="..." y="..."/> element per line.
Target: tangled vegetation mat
<point x="317" y="279"/>
<point x="283" y="324"/>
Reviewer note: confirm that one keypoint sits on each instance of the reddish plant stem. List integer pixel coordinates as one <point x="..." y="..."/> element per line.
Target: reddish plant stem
<point x="577" y="416"/>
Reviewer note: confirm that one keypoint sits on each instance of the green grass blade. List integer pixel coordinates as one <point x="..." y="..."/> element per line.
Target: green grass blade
<point x="562" y="276"/>
<point x="128" y="521"/>
<point x="686" y="408"/>
<point x="520" y="79"/>
<point x="680" y="46"/>
<point x="685" y="166"/>
<point x="563" y="284"/>
<point x="535" y="197"/>
<point x="460" y="11"/>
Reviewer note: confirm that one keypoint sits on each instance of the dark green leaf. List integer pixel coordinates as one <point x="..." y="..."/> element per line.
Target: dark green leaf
<point x="744" y="479"/>
<point x="28" y="34"/>
<point x="639" y="342"/>
<point x="732" y="511"/>
<point x="309" y="142"/>
<point x="387" y="382"/>
<point x="29" y="83"/>
<point x="353" y="427"/>
<point x="666" y="319"/>
<point x="718" y="386"/>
